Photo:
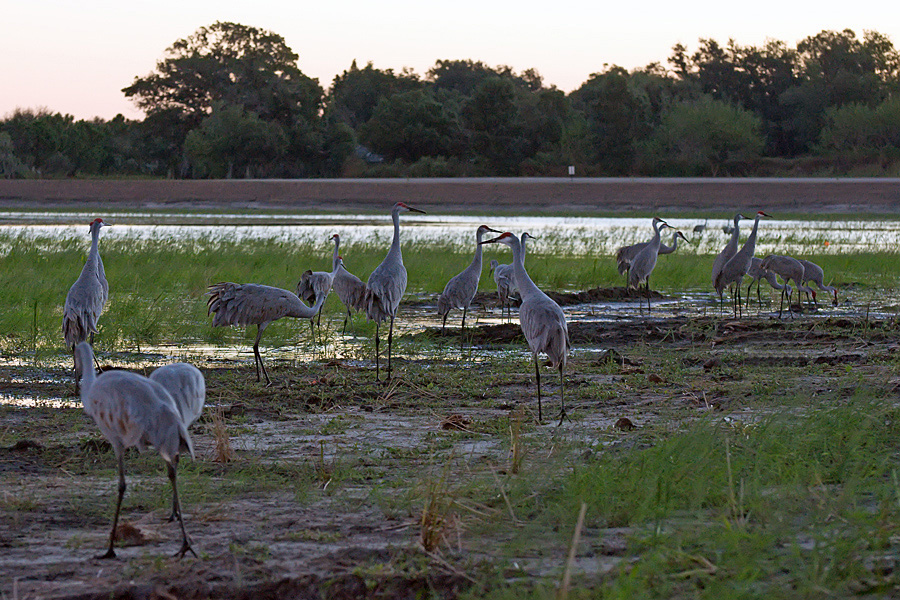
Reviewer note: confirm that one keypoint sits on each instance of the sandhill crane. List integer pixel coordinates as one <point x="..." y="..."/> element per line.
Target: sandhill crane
<point x="814" y="273"/>
<point x="253" y="304"/>
<point x="386" y="286"/>
<point x="313" y="284"/>
<point x="625" y="255"/>
<point x="701" y="227"/>
<point x="86" y="298"/>
<point x="349" y="288"/>
<point x="460" y="290"/>
<point x="505" y="278"/>
<point x="186" y="385"/>
<point x="756" y="274"/>
<point x="787" y="268"/>
<point x="734" y="270"/>
<point x="133" y="410"/>
<point x="645" y="261"/>
<point x="724" y="256"/>
<point x="542" y="320"/>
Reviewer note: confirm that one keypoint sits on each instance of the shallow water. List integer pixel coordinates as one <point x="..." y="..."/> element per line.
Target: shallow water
<point x="577" y="236"/>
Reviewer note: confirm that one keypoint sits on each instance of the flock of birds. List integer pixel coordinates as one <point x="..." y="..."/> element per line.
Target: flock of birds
<point x="136" y="411"/>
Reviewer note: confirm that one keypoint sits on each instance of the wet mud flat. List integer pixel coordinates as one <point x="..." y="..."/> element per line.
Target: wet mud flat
<point x="330" y="485"/>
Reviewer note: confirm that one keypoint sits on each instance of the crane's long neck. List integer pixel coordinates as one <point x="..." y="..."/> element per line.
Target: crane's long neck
<point x="336" y="255"/>
<point x="657" y="236"/>
<point x="395" y="243"/>
<point x="675" y="241"/>
<point x="85" y="357"/>
<point x="523" y="281"/>
<point x="93" y="259"/>
<point x="751" y="239"/>
<point x="302" y="311"/>
<point x="476" y="261"/>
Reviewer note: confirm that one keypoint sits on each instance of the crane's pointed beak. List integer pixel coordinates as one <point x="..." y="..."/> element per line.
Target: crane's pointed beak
<point x="492" y="240"/>
<point x="416" y="210"/>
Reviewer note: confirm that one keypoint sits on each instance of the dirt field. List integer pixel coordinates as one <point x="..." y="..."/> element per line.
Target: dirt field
<point x="323" y="496"/>
<point x="467" y="195"/>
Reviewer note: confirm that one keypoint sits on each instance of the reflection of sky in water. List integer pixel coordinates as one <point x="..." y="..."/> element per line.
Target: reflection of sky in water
<point x="560" y="235"/>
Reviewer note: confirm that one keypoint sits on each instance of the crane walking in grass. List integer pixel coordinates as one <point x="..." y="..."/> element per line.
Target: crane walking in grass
<point x="626" y="254"/>
<point x="542" y="320"/>
<point x="186" y="385"/>
<point x="386" y="286"/>
<point x="645" y="261"/>
<point x="86" y="298"/>
<point x="134" y="411"/>
<point x="253" y="304"/>
<point x="460" y="290"/>
<point x="732" y="274"/>
<point x="724" y="256"/>
<point x="789" y="269"/>
<point x="756" y="274"/>
<point x="349" y="288"/>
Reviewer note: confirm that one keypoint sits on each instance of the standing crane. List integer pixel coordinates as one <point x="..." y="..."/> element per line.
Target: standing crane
<point x="645" y="261"/>
<point x="133" y="410"/>
<point x="724" y="256"/>
<point x="756" y="274"/>
<point x="625" y="255"/>
<point x="253" y="304"/>
<point x="815" y="274"/>
<point x="505" y="278"/>
<point x="386" y="286"/>
<point x="787" y="268"/>
<point x="349" y="288"/>
<point x="460" y="290"/>
<point x="314" y="284"/>
<point x="734" y="270"/>
<point x="186" y="386"/>
<point x="86" y="298"/>
<point x="542" y="320"/>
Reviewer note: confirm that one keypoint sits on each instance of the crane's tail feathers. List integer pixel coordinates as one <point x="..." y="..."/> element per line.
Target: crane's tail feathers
<point x="76" y="327"/>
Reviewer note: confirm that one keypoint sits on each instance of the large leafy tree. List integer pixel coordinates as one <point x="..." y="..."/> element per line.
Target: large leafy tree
<point x="409" y="126"/>
<point x="234" y="64"/>
<point x="355" y="93"/>
<point x="702" y="137"/>
<point x="232" y="141"/>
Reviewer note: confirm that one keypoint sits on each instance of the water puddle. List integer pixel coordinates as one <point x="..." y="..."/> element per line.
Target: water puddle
<point x="574" y="236"/>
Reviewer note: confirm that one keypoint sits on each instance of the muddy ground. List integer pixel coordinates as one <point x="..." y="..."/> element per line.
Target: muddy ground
<point x="330" y="472"/>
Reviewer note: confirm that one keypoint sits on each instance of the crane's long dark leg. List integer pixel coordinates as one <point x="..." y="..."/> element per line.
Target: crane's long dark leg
<point x="462" y="331"/>
<point x="444" y="323"/>
<point x="647" y="283"/>
<point x="110" y="553"/>
<point x="740" y="304"/>
<point x="781" y="306"/>
<point x="77" y="374"/>
<point x="347" y="318"/>
<point x="377" y="363"/>
<point x="562" y="400"/>
<point x="185" y="545"/>
<point x="749" y="287"/>
<point x="537" y="372"/>
<point x="96" y="362"/>
<point x="390" y="344"/>
<point x="758" y="298"/>
<point x="259" y="361"/>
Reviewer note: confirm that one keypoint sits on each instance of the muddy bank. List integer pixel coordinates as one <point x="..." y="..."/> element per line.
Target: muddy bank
<point x="488" y="195"/>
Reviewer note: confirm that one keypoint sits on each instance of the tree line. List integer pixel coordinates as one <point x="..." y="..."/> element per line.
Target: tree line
<point x="230" y="102"/>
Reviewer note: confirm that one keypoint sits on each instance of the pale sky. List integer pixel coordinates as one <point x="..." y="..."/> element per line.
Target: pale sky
<point x="75" y="57"/>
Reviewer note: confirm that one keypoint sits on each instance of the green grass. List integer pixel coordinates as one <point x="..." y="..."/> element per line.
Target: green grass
<point x="158" y="287"/>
